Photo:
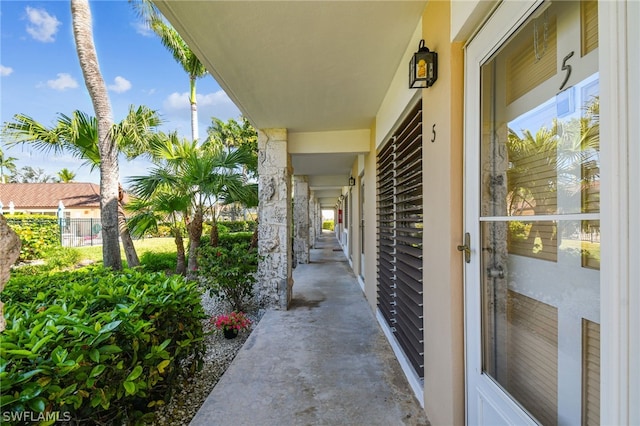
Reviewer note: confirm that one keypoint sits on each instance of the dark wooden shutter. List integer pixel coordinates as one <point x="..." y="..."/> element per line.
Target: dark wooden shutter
<point x="400" y="227"/>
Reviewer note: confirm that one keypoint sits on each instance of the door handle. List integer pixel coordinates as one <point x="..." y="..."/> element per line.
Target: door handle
<point x="466" y="248"/>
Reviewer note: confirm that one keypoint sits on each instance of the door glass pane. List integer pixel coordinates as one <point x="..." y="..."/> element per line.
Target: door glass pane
<point x="540" y="193"/>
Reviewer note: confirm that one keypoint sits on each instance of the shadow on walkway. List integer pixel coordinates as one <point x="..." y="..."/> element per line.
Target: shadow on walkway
<point x="325" y="361"/>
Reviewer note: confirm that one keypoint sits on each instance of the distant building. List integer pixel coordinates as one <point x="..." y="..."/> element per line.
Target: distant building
<point x="79" y="200"/>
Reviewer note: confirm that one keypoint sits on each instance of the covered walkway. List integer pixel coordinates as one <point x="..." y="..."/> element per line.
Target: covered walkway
<point x="325" y="361"/>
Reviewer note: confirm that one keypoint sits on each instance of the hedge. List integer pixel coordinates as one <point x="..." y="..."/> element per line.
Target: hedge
<point x="96" y="344"/>
<point x="38" y="233"/>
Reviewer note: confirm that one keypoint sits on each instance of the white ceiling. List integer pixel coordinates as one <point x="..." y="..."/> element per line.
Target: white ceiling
<point x="307" y="66"/>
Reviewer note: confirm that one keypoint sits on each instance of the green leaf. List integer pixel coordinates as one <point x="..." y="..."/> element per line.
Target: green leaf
<point x="94" y="355"/>
<point x="22" y="352"/>
<point x="137" y="371"/>
<point x="163" y="365"/>
<point x="59" y="354"/>
<point x="41" y="342"/>
<point x="29" y="374"/>
<point x="109" y="327"/>
<point x="109" y="349"/>
<point x="130" y="387"/>
<point x="38" y="404"/>
<point x="97" y="370"/>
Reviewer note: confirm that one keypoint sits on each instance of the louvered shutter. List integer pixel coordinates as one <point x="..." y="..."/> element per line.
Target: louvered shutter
<point x="399" y="215"/>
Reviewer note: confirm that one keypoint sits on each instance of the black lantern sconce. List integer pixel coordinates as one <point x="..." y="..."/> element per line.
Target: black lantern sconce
<point x="423" y="69"/>
<point x="352" y="181"/>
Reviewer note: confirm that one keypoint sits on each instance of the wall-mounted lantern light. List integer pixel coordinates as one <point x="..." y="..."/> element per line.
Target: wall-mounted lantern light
<point x="423" y="69"/>
<point x="352" y="181"/>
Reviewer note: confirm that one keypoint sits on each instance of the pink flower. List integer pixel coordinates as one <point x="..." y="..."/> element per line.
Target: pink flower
<point x="233" y="321"/>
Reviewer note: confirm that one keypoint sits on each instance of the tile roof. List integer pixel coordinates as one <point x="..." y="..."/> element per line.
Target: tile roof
<point x="48" y="195"/>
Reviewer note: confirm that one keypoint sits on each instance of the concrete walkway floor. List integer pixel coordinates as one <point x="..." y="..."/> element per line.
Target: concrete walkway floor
<point x="325" y="361"/>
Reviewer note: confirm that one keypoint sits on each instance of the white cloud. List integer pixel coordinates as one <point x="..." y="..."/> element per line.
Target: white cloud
<point x="63" y="82"/>
<point x="5" y="71"/>
<point x="177" y="112"/>
<point x="142" y="29"/>
<point x="180" y="101"/>
<point x="120" y="85"/>
<point x="42" y="26"/>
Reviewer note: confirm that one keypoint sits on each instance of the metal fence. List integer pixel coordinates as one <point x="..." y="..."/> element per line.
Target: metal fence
<point x="80" y="232"/>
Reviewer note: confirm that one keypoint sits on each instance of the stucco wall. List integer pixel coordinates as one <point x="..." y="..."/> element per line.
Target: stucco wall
<point x="442" y="174"/>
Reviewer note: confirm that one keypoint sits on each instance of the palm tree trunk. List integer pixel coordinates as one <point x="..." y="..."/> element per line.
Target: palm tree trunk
<point x="214" y="236"/>
<point x="194" y="109"/>
<point x="125" y="235"/>
<point x="83" y="33"/>
<point x="181" y="266"/>
<point x="195" y="233"/>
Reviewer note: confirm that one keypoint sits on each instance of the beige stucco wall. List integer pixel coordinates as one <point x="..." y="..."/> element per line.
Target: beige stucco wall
<point x="443" y="266"/>
<point x="370" y="221"/>
<point x="444" y="392"/>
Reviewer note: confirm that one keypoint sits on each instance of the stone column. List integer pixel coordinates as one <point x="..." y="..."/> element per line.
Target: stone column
<point x="275" y="214"/>
<point x="301" y="219"/>
<point x="9" y="252"/>
<point x="312" y="219"/>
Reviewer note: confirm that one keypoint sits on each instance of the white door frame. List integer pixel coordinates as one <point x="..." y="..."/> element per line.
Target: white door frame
<point x="620" y="210"/>
<point x="619" y="67"/>
<point x="485" y="402"/>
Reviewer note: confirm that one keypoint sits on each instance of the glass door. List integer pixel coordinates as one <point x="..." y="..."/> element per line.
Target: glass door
<point x="535" y="210"/>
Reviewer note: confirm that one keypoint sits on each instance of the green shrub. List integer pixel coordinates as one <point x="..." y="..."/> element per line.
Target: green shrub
<point x="228" y="274"/>
<point x="38" y="233"/>
<point x="229" y="240"/>
<point x="58" y="258"/>
<point x="239" y="225"/>
<point x="100" y="345"/>
<point x="159" y="261"/>
<point x="328" y="224"/>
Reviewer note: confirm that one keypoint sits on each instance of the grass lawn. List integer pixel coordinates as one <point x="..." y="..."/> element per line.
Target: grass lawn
<point x="156" y="245"/>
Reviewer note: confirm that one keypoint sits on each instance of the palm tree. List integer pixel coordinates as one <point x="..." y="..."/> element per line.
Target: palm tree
<point x="78" y="135"/>
<point x="234" y="136"/>
<point x="8" y="163"/>
<point x="180" y="52"/>
<point x="85" y="47"/>
<point x="66" y="175"/>
<point x="204" y="175"/>
<point x="162" y="207"/>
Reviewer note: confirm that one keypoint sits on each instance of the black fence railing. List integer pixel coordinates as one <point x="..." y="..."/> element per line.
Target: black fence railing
<point x="80" y="232"/>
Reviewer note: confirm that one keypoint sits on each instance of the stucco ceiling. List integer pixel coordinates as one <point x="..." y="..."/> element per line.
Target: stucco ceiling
<point x="307" y="66"/>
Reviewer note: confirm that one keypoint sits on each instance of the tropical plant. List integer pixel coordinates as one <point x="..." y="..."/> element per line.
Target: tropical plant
<point x="163" y="206"/>
<point x="85" y="47"/>
<point x="78" y="134"/>
<point x="180" y="52"/>
<point x="229" y="274"/>
<point x="206" y="175"/>
<point x="234" y="136"/>
<point x="102" y="346"/>
<point x="6" y="163"/>
<point x="235" y="321"/>
<point x="65" y="175"/>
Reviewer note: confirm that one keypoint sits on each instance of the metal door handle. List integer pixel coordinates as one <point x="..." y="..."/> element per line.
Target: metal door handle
<point x="466" y="248"/>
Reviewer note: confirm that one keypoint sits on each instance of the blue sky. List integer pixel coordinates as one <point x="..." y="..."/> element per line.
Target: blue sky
<point x="40" y="76"/>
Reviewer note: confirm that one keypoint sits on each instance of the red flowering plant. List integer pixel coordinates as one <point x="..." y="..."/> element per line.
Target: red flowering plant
<point x="234" y="321"/>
